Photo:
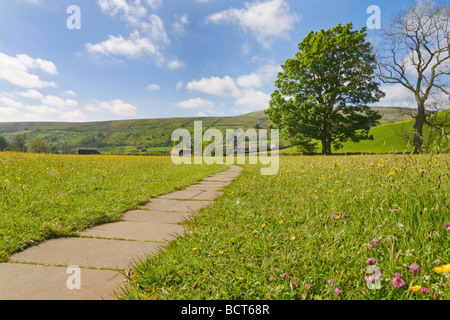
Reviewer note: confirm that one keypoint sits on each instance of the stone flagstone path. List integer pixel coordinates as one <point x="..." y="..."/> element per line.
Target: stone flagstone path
<point x="104" y="253"/>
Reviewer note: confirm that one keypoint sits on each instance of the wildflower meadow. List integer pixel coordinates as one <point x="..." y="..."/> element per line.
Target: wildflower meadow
<point x="356" y="227"/>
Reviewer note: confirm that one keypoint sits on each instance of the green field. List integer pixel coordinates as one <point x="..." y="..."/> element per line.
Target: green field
<point x="395" y="137"/>
<point x="48" y="196"/>
<point x="155" y="134"/>
<point x="320" y="219"/>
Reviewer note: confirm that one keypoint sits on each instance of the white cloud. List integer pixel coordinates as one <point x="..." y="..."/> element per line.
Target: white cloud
<point x="175" y="64"/>
<point x="197" y="103"/>
<point x="154" y="4"/>
<point x="203" y="107"/>
<point x="266" y="73"/>
<point x="58" y="102"/>
<point x="133" y="47"/>
<point x="8" y="102"/>
<point x="147" y="39"/>
<point x="267" y="20"/>
<point x="130" y="12"/>
<point x="70" y="93"/>
<point x="32" y="94"/>
<point x="153" y="87"/>
<point x="9" y="113"/>
<point x="250" y="81"/>
<point x="252" y="100"/>
<point x="215" y="86"/>
<point x="180" y="85"/>
<point x="179" y="27"/>
<point x="396" y="96"/>
<point x="46" y="113"/>
<point x="16" y="70"/>
<point x="154" y="29"/>
<point x="117" y="107"/>
<point x="46" y="66"/>
<point x="244" y="89"/>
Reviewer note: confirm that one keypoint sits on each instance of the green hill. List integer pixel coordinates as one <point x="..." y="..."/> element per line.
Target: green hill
<point x="125" y="136"/>
<point x="395" y="137"/>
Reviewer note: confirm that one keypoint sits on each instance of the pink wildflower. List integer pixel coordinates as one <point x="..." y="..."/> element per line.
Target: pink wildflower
<point x="370" y="261"/>
<point x="447" y="225"/>
<point x="330" y="282"/>
<point x="370" y="278"/>
<point x="437" y="261"/>
<point x="337" y="291"/>
<point x="414" y="268"/>
<point x="375" y="241"/>
<point x="369" y="246"/>
<point x="424" y="290"/>
<point x="398" y="282"/>
<point x="295" y="284"/>
<point x="308" y="286"/>
<point x="272" y="279"/>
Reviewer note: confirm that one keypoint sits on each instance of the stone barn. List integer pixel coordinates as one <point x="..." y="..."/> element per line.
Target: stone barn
<point x="88" y="150"/>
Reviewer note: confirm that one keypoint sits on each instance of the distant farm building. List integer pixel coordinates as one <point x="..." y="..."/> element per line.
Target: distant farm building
<point x="88" y="150"/>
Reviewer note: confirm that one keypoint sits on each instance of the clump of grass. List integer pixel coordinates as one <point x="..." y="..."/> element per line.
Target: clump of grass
<point x="312" y="232"/>
<point x="48" y="196"/>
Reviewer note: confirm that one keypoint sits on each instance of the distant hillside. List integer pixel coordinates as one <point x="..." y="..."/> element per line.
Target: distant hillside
<point x="125" y="136"/>
<point x="395" y="137"/>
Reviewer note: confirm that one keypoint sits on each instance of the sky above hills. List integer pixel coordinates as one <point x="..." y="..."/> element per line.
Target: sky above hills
<point x="132" y="59"/>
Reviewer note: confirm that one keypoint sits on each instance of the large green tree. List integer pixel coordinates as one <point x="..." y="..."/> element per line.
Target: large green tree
<point x="37" y="145"/>
<point x="323" y="92"/>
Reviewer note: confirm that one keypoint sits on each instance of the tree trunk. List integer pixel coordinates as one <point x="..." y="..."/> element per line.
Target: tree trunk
<point x="326" y="147"/>
<point x="326" y="139"/>
<point x="418" y="129"/>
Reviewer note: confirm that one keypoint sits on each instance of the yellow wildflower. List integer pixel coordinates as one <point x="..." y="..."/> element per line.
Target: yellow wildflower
<point x="444" y="268"/>
<point x="415" y="288"/>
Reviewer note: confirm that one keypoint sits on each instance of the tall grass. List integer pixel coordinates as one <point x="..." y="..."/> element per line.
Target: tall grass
<point x="48" y="196"/>
<point x="311" y="230"/>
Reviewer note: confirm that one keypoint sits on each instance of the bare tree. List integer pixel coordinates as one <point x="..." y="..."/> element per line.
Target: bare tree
<point x="416" y="54"/>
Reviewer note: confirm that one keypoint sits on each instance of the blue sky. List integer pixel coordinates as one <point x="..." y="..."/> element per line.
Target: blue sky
<point x="135" y="59"/>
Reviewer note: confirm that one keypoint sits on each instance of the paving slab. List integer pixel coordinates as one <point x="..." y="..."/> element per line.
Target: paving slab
<point x="207" y="195"/>
<point x="158" y="204"/>
<point x="140" y="231"/>
<point x="156" y="216"/>
<point x="218" y="178"/>
<point x="200" y="187"/>
<point x="194" y="205"/>
<point x="227" y="174"/>
<point x="218" y="184"/>
<point x="181" y="195"/>
<point x="34" y="282"/>
<point x="87" y="252"/>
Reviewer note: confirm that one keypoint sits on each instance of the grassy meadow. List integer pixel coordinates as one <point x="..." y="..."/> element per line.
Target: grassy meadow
<point x="48" y="196"/>
<point x="312" y="232"/>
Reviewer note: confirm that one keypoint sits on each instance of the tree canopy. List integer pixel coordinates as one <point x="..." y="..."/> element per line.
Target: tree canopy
<point x="323" y="92"/>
